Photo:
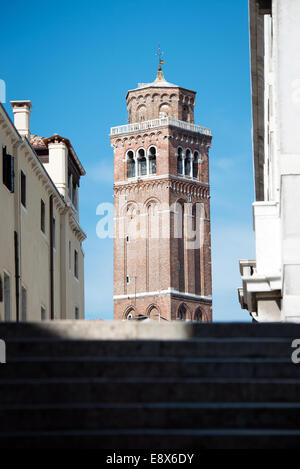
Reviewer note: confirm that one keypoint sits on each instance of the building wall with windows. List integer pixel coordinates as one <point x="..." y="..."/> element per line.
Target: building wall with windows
<point x="271" y="288"/>
<point x="161" y="176"/>
<point x="38" y="222"/>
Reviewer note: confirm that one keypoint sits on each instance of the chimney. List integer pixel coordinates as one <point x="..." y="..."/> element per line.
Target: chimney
<point x="57" y="167"/>
<point x="22" y="111"/>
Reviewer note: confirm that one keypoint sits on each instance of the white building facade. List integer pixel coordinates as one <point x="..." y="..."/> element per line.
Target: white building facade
<point x="271" y="283"/>
<point x="41" y="256"/>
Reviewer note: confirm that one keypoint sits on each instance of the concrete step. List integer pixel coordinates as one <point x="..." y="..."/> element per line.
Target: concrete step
<point x="147" y="367"/>
<point x="208" y="348"/>
<point x="184" y="440"/>
<point x="110" y="390"/>
<point x="100" y="416"/>
<point x="131" y="330"/>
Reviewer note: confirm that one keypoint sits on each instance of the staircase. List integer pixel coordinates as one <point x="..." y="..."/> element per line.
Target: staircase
<point x="128" y="385"/>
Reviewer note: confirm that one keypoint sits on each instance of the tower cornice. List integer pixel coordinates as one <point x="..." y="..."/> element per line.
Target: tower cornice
<point x="156" y="123"/>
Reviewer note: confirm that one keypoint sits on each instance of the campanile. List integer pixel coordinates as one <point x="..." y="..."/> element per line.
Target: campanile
<point x="162" y="246"/>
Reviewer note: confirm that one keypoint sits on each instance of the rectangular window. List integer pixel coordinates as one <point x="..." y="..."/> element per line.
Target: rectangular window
<point x="8" y="170"/>
<point x="70" y="255"/>
<point x="23" y="189"/>
<point x="128" y="280"/>
<point x="7" y="298"/>
<point x="76" y="313"/>
<point x="76" y="264"/>
<point x="43" y="314"/>
<point x="74" y="196"/>
<point x="24" y="304"/>
<point x="43" y="217"/>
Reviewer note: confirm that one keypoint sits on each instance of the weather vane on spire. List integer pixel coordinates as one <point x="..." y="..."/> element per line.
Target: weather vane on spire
<point x="160" y="55"/>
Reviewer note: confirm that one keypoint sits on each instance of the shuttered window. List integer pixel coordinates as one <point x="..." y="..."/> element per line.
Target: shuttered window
<point x="8" y="171"/>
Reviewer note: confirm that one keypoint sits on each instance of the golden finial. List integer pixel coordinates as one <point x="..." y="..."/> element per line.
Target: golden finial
<point x="160" y="55"/>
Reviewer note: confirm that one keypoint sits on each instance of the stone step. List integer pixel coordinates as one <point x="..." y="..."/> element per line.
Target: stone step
<point x="130" y="330"/>
<point x="155" y="439"/>
<point x="100" y="416"/>
<point x="151" y="367"/>
<point x="59" y="391"/>
<point x="208" y="348"/>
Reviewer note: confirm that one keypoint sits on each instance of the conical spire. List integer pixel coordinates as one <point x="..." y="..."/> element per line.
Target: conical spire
<point x="160" y="75"/>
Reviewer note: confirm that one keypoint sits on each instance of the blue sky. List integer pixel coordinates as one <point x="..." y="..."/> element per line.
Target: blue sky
<point x="76" y="60"/>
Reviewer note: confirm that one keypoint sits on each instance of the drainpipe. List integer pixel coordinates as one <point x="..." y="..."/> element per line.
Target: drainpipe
<point x="51" y="260"/>
<point x="17" y="275"/>
<point x="17" y="223"/>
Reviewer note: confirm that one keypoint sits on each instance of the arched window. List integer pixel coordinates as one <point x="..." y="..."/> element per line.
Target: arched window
<point x="181" y="315"/>
<point x="141" y="113"/>
<point x="180" y="161"/>
<point x="154" y="313"/>
<point x="164" y="110"/>
<point x="196" y="165"/>
<point x="130" y="164"/>
<point x="130" y="314"/>
<point x="142" y="163"/>
<point x="152" y="160"/>
<point x="198" y="317"/>
<point x="187" y="163"/>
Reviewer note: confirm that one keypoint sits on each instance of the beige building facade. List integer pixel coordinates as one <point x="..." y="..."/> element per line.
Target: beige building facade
<point x="271" y="287"/>
<point x="41" y="256"/>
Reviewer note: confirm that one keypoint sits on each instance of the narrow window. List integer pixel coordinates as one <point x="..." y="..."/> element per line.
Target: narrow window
<point x="76" y="264"/>
<point x="70" y="186"/>
<point x="43" y="216"/>
<point x="128" y="280"/>
<point x="8" y="170"/>
<point x="142" y="163"/>
<point x="187" y="163"/>
<point x="24" y="304"/>
<point x="77" y="313"/>
<point x="130" y="165"/>
<point x="181" y="316"/>
<point x="179" y="162"/>
<point x="43" y="314"/>
<point x="70" y="255"/>
<point x="152" y="160"/>
<point x="196" y="165"/>
<point x="7" y="298"/>
<point x="23" y="189"/>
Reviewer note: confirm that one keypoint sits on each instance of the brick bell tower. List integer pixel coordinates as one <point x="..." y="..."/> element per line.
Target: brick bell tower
<point x="162" y="247"/>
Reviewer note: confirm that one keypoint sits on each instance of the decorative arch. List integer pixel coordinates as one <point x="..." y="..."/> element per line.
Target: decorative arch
<point x="129" y="207"/>
<point x="200" y="315"/>
<point x="141" y="113"/>
<point x="196" y="159"/>
<point x="164" y="110"/>
<point x="182" y="312"/>
<point x="152" y="153"/>
<point x="131" y="164"/>
<point x="130" y="310"/>
<point x="151" y="200"/>
<point x="154" y="312"/>
<point x="188" y="162"/>
<point x="141" y="162"/>
<point x="180" y="158"/>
